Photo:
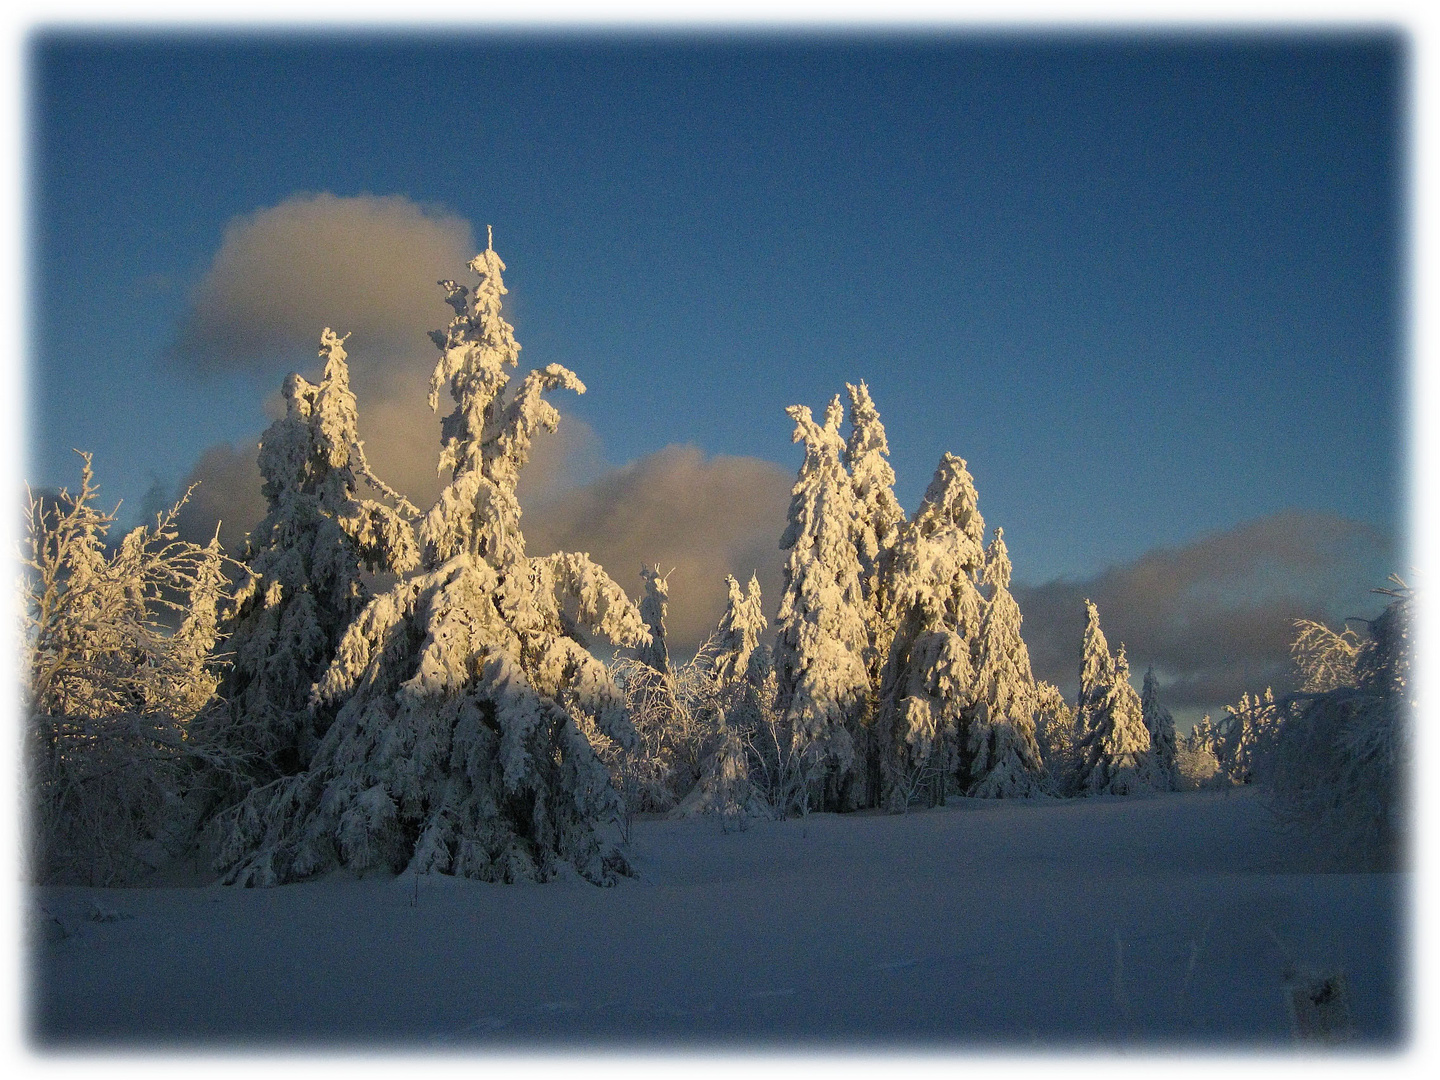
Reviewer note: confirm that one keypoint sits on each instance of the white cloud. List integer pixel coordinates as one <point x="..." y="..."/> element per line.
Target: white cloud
<point x="365" y="265"/>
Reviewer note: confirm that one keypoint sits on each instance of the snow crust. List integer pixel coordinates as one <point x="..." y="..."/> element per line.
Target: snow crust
<point x="1164" y="922"/>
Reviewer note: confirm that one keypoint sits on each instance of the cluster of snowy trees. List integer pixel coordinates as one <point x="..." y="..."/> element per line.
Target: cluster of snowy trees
<point x="1334" y="754"/>
<point x="898" y="675"/>
<point x="374" y="687"/>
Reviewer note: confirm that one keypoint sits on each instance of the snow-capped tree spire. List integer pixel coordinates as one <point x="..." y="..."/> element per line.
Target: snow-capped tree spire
<point x="738" y="634"/>
<point x="821" y="636"/>
<point x="1161" y="725"/>
<point x="1001" y="758"/>
<point x="929" y="677"/>
<point x="462" y="691"/>
<point x="1097" y="667"/>
<point x="1114" y="743"/>
<point x="652" y="611"/>
<point x="878" y="518"/>
<point x="485" y="441"/>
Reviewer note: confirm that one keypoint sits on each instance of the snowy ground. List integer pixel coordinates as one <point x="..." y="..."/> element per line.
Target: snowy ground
<point x="1167" y="921"/>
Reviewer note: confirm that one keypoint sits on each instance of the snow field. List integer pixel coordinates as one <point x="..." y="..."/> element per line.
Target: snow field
<point x="1159" y="922"/>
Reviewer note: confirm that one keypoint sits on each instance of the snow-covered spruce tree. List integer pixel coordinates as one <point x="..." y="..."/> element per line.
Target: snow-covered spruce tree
<point x="999" y="758"/>
<point x="1097" y="672"/>
<point x="878" y="520"/>
<point x="306" y="559"/>
<point x="1202" y="736"/>
<point x="457" y="746"/>
<point x="1161" y="725"/>
<point x="113" y="689"/>
<point x="1342" y="754"/>
<point x="1055" y="734"/>
<point x="821" y="637"/>
<point x="1114" y="746"/>
<point x="929" y="677"/>
<point x="738" y="634"/>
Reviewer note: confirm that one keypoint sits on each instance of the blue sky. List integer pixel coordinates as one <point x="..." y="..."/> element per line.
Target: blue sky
<point x="1150" y="286"/>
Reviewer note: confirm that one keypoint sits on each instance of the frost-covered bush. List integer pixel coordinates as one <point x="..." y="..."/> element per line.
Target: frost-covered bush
<point x="673" y="714"/>
<point x="463" y="693"/>
<point x="725" y="787"/>
<point x="1245" y="737"/>
<point x="1055" y="734"/>
<point x="1197" y="758"/>
<point x="1341" y="755"/>
<point x="1196" y="767"/>
<point x="696" y="722"/>
<point x="784" y="769"/>
<point x="735" y="780"/>
<point x="119" y="675"/>
<point x="669" y="706"/>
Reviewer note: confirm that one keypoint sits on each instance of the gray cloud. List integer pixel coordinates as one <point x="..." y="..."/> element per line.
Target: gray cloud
<point x="704" y="518"/>
<point x="227" y="493"/>
<point x="1215" y="616"/>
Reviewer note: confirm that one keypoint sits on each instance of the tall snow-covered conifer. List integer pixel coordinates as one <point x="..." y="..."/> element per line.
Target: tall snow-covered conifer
<point x="821" y="634"/>
<point x="1097" y="671"/>
<point x="1000" y="758"/>
<point x="1161" y="726"/>
<point x="929" y="676"/>
<point x="878" y="521"/>
<point x="878" y="518"/>
<point x="306" y="560"/>
<point x="1114" y="745"/>
<point x="457" y="746"/>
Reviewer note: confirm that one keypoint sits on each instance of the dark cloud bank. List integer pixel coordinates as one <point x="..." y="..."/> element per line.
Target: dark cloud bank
<point x="1215" y="617"/>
